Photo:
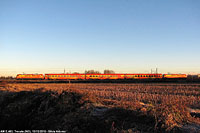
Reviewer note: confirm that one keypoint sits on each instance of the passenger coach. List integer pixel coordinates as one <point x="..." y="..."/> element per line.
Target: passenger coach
<point x="100" y="76"/>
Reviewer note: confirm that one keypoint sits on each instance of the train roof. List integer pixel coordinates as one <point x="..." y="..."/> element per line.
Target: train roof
<point x="29" y="74"/>
<point x="103" y="74"/>
<point x="174" y="74"/>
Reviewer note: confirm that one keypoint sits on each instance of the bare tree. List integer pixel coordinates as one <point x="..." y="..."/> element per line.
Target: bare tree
<point x="92" y="72"/>
<point x="109" y="72"/>
<point x="75" y="73"/>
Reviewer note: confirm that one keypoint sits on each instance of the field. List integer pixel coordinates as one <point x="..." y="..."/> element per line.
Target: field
<point x="101" y="107"/>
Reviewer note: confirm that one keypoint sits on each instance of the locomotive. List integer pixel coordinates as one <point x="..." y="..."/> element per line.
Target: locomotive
<point x="99" y="76"/>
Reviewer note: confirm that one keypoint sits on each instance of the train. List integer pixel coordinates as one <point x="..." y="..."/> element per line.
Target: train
<point x="99" y="76"/>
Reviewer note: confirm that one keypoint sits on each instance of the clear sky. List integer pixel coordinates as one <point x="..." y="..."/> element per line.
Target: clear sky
<point x="46" y="36"/>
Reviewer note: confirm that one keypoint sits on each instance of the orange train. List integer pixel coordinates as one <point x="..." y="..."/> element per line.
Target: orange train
<point x="30" y="76"/>
<point x="99" y="76"/>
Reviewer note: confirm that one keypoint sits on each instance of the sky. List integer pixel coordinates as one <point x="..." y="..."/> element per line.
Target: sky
<point x="127" y="36"/>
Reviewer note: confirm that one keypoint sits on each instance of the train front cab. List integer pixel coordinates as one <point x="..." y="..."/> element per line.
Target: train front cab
<point x="30" y="77"/>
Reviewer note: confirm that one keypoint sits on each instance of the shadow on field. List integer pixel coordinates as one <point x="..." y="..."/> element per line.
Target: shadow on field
<point x="68" y="111"/>
<point x="44" y="110"/>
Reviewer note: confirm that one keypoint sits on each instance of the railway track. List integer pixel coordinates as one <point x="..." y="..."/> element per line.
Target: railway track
<point x="104" y="81"/>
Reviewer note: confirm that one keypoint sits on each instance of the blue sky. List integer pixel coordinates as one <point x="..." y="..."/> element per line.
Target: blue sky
<point x="46" y="36"/>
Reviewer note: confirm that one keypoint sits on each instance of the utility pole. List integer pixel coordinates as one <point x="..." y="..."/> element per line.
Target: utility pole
<point x="156" y="70"/>
<point x="85" y="74"/>
<point x="64" y="70"/>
